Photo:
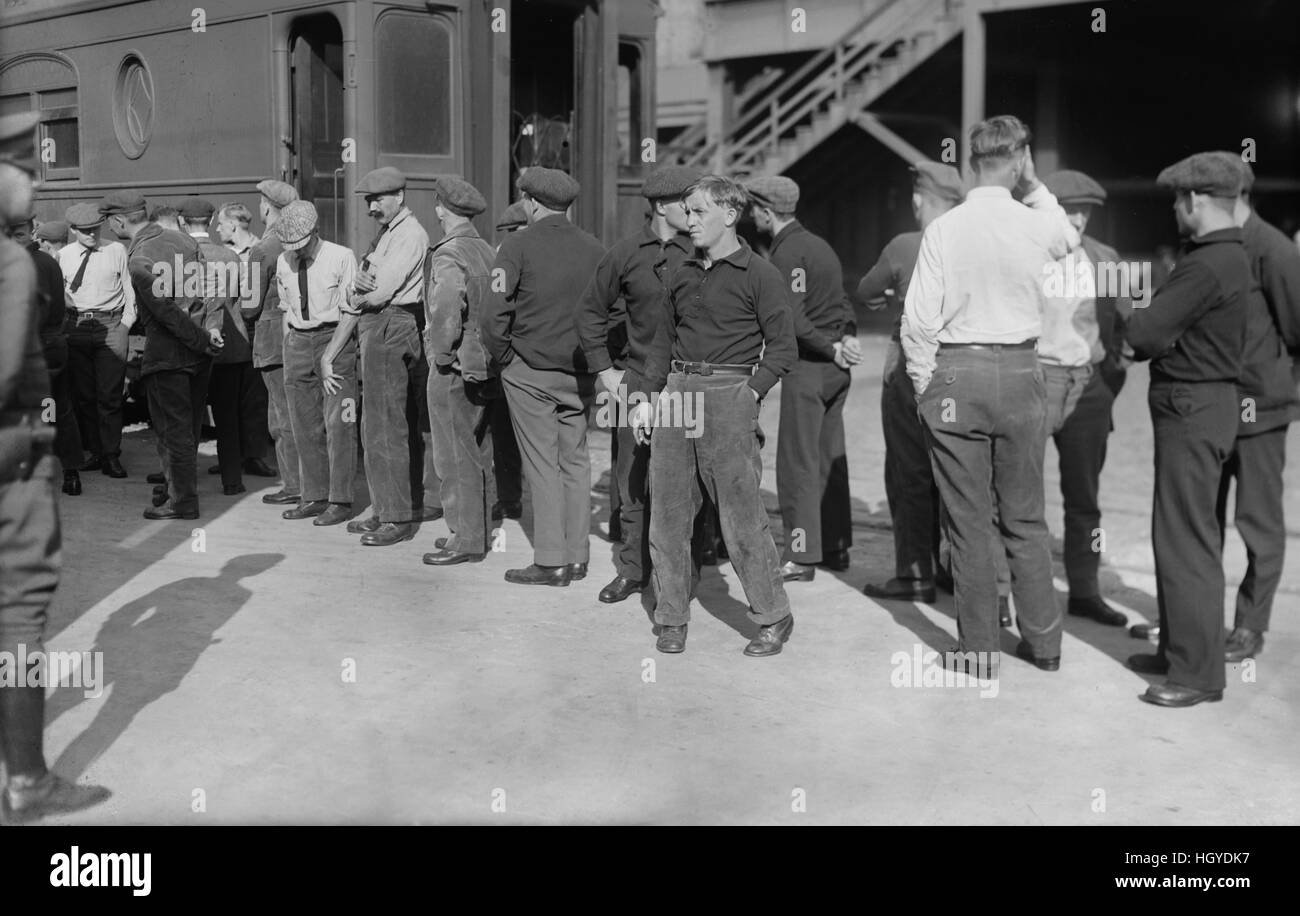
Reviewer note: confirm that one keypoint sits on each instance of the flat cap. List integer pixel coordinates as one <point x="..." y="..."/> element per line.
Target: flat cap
<point x="943" y="181"/>
<point x="1241" y="165"/>
<point x="56" y="230"/>
<point x="512" y="217"/>
<point x="459" y="196"/>
<point x="1071" y="187"/>
<point x="18" y="139"/>
<point x="196" y="208"/>
<point x="551" y="188"/>
<point x="297" y="220"/>
<point x="386" y="180"/>
<point x="1215" y="174"/>
<point x="277" y="193"/>
<point x="669" y="181"/>
<point x="84" y="216"/>
<point x="122" y="202"/>
<point x="775" y="191"/>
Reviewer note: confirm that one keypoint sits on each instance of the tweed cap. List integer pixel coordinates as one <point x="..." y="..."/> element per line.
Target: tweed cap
<point x="1241" y="165"/>
<point x="1215" y="174"/>
<point x="18" y="139"/>
<point x="56" y="230"/>
<point x="551" y="188"/>
<point x="774" y="191"/>
<point x="512" y="217"/>
<point x="943" y="181"/>
<point x="459" y="196"/>
<point x="196" y="208"/>
<point x="122" y="202"/>
<point x="669" y="181"/>
<point x="386" y="180"/>
<point x="297" y="220"/>
<point x="1071" y="187"/>
<point x="84" y="216"/>
<point x="277" y="193"/>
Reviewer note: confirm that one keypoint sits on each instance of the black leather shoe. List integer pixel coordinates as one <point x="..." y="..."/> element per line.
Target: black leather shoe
<point x="797" y="572"/>
<point x="429" y="513"/>
<point x="167" y="513"/>
<point x="508" y="510"/>
<point x="771" y="638"/>
<point x="1176" y="695"/>
<point x="1148" y="663"/>
<point x="306" y="510"/>
<point x="235" y="490"/>
<point x="336" y="514"/>
<point x="902" y="590"/>
<point x="836" y="560"/>
<point x="943" y="581"/>
<point x="1004" y="611"/>
<point x="672" y="640"/>
<point x="1144" y="631"/>
<point x="215" y="469"/>
<point x="113" y="467"/>
<point x="620" y="589"/>
<point x="160" y="488"/>
<point x="49" y="795"/>
<point x="539" y="575"/>
<point x="160" y="496"/>
<point x="364" y="525"/>
<point x="1096" y="609"/>
<point x="96" y="463"/>
<point x="281" y="498"/>
<point x="388" y="534"/>
<point x="1024" y="651"/>
<point x="577" y="572"/>
<point x="444" y="557"/>
<point x="156" y="477"/>
<point x="71" y="483"/>
<point x="1242" y="644"/>
<point x="257" y="467"/>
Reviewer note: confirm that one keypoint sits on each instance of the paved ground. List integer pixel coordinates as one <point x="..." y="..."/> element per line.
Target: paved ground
<point x="271" y="672"/>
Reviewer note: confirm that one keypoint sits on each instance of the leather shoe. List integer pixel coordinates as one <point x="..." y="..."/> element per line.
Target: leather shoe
<point x="156" y="477"/>
<point x="429" y="513"/>
<point x="235" y="490"/>
<point x="160" y="496"/>
<point x="444" y="557"/>
<point x="1148" y="663"/>
<point x="113" y="467"/>
<point x="1004" y="611"/>
<point x="160" y="488"/>
<point x="306" y="510"/>
<point x="619" y="590"/>
<point x="508" y="510"/>
<point x="1026" y="652"/>
<point x="336" y="514"/>
<point x="215" y="469"/>
<point x="577" y="571"/>
<point x="388" y="534"/>
<point x="365" y="525"/>
<point x="797" y="572"/>
<point x="1242" y="644"/>
<point x="1176" y="695"/>
<point x="943" y="580"/>
<point x="167" y="513"/>
<point x="96" y="463"/>
<point x="1144" y="630"/>
<point x="50" y="794"/>
<point x="71" y="483"/>
<point x="770" y="638"/>
<point x="281" y="498"/>
<point x="539" y="575"/>
<point x="672" y="640"/>
<point x="257" y="467"/>
<point x="1097" y="609"/>
<point x="836" y="560"/>
<point x="902" y="590"/>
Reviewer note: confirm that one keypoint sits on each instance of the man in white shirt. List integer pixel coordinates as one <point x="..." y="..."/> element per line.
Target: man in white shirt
<point x="971" y="323"/>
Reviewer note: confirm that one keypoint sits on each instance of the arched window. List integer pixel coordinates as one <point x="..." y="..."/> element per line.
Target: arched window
<point x="47" y="84"/>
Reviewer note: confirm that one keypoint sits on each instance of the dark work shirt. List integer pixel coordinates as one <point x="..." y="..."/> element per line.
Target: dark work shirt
<point x="1194" y="330"/>
<point x="176" y="326"/>
<point x="24" y="379"/>
<point x="892" y="272"/>
<point x="268" y="334"/>
<point x="1275" y="262"/>
<point x="820" y="309"/>
<point x="1267" y="372"/>
<point x="636" y="270"/>
<point x="726" y="313"/>
<point x="53" y="308"/>
<point x="537" y="282"/>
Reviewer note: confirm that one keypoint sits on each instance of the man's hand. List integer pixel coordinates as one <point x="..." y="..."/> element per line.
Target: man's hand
<point x="1028" y="177"/>
<point x="640" y="420"/>
<point x="364" y="282"/>
<point x="215" y="340"/>
<point x="852" y="350"/>
<point x="333" y="382"/>
<point x="612" y="378"/>
<point x="839" y="356"/>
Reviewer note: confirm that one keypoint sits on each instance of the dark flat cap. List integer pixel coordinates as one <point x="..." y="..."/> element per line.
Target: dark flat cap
<point x="84" y="216"/>
<point x="122" y="202"/>
<point x="943" y="181"/>
<point x="551" y="188"/>
<point x="196" y="208"/>
<point x="459" y="196"/>
<point x="669" y="181"/>
<point x="1216" y="174"/>
<point x="512" y="217"/>
<point x="277" y="193"/>
<point x="18" y="140"/>
<point x="55" y="230"/>
<point x="386" y="180"/>
<point x="1074" y="187"/>
<point x="1241" y="165"/>
<point x="775" y="191"/>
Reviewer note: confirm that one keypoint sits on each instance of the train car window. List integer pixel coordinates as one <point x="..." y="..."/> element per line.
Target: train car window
<point x="413" y="61"/>
<point x="48" y="85"/>
<point x="631" y="108"/>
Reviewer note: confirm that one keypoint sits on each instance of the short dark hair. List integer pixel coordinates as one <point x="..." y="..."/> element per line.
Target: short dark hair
<point x="996" y="140"/>
<point x="162" y="211"/>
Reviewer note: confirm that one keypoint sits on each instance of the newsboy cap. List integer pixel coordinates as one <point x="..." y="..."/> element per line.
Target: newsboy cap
<point x="277" y="193"/>
<point x="1074" y="187"/>
<point x="669" y="181"/>
<point x="196" y="208"/>
<point x="551" y="188"/>
<point x="18" y="140"/>
<point x="775" y="191"/>
<point x="1205" y="173"/>
<point x="512" y="217"/>
<point x="1241" y="165"/>
<point x="122" y="202"/>
<point x="459" y="196"/>
<point x="83" y="216"/>
<point x="297" y="220"/>
<point x="943" y="181"/>
<point x="56" y="230"/>
<point x="386" y="180"/>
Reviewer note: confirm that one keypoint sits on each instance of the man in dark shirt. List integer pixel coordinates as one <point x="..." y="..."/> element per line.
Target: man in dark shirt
<point x="529" y="327"/>
<point x="635" y="270"/>
<point x="812" y="470"/>
<point x="1194" y="333"/>
<point x="726" y="337"/>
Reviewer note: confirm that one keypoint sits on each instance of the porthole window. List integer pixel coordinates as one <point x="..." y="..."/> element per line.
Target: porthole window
<point x="133" y="106"/>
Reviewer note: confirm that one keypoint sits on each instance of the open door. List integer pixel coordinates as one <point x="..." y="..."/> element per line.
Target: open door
<point x="316" y="99"/>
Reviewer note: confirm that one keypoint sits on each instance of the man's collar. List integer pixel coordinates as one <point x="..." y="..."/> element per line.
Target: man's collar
<point x="1230" y="234"/>
<point x="738" y="258"/>
<point x="988" y="190"/>
<point x="465" y="230"/>
<point x="786" y="231"/>
<point x="649" y="237"/>
<point x="397" y="218"/>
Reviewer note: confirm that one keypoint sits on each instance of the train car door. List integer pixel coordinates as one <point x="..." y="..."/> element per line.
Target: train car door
<point x="316" y="119"/>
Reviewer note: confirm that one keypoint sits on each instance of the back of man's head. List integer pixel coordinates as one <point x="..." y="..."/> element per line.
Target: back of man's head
<point x="996" y="143"/>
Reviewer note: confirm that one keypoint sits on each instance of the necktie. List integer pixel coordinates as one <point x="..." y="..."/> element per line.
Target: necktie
<point x="302" y="288"/>
<point x="81" y="270"/>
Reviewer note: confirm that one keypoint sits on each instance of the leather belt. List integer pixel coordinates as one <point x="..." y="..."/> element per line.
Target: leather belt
<point x="691" y="368"/>
<point x="99" y="314"/>
<point x="323" y="326"/>
<point x="1022" y="345"/>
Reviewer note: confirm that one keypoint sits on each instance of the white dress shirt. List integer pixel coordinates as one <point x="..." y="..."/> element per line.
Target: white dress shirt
<point x="1071" y="337"/>
<point x="330" y="275"/>
<point x="106" y="283"/>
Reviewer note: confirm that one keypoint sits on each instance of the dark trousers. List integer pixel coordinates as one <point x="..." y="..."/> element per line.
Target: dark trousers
<point x="549" y="412"/>
<point x="176" y="409"/>
<point x="630" y="485"/>
<point x="30" y="540"/>
<point x="1081" y="447"/>
<point x="812" y="466"/>
<point x="239" y="406"/>
<point x="1256" y="463"/>
<point x="97" y="347"/>
<point x="280" y="427"/>
<point x="425" y="485"/>
<point x="724" y="461"/>
<point x="1195" y="428"/>
<point x="913" y="497"/>
<point x="462" y="450"/>
<point x="67" y="433"/>
<point x="389" y="346"/>
<point x="507" y="465"/>
<point x="984" y="412"/>
<point x="324" y="425"/>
